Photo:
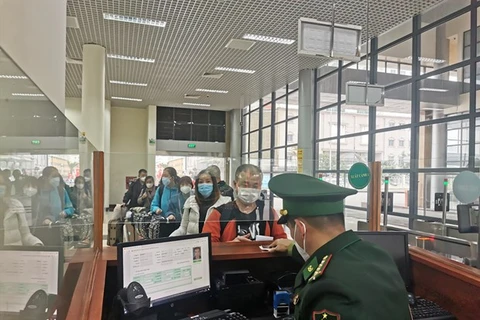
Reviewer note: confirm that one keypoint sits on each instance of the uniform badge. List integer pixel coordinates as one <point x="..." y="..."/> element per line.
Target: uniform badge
<point x="325" y="315"/>
<point x="321" y="268"/>
<point x="295" y="299"/>
<point x="310" y="268"/>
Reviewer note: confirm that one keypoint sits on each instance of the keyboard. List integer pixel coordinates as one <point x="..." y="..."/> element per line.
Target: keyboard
<point x="429" y="310"/>
<point x="218" y="315"/>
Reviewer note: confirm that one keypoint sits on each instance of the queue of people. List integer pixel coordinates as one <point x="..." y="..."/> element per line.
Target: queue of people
<point x="207" y="204"/>
<point x="28" y="204"/>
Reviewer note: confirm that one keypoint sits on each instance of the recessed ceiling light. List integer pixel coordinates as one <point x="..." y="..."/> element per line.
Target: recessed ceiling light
<point x="211" y="90"/>
<point x="144" y="21"/>
<point x="72" y="22"/>
<point x="7" y="76"/>
<point x="28" y="94"/>
<point x="129" y="58"/>
<point x="127" y="99"/>
<point x="433" y="89"/>
<point x="196" y="104"/>
<point x="128" y="83"/>
<point x="235" y="70"/>
<point x="267" y="39"/>
<point x="423" y="59"/>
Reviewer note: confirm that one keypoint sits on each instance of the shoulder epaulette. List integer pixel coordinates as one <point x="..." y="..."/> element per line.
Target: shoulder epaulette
<point x="321" y="268"/>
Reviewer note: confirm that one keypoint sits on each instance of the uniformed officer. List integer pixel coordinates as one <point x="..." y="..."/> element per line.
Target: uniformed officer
<point x="343" y="277"/>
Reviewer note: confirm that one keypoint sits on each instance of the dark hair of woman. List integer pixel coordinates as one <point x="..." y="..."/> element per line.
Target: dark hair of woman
<point x="173" y="173"/>
<point x="215" y="193"/>
<point x="79" y="179"/>
<point x="185" y="180"/>
<point x="150" y="178"/>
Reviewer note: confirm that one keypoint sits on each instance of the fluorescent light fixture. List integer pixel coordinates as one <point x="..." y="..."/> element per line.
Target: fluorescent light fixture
<point x="144" y="21"/>
<point x="267" y="39"/>
<point x="235" y="70"/>
<point x="128" y="83"/>
<point x="7" y="76"/>
<point x="423" y="59"/>
<point x="28" y="94"/>
<point x="433" y="90"/>
<point x="211" y="90"/>
<point x="129" y="58"/>
<point x="127" y="99"/>
<point x="196" y="104"/>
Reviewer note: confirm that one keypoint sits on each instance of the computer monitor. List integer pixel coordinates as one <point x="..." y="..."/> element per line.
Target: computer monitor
<point x="169" y="269"/>
<point x="396" y="244"/>
<point x="24" y="270"/>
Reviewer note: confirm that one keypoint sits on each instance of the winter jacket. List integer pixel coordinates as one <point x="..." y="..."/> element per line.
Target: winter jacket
<point x="17" y="232"/>
<point x="191" y="214"/>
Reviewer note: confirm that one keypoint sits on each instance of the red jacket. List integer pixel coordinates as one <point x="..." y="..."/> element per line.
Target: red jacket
<point x="213" y="226"/>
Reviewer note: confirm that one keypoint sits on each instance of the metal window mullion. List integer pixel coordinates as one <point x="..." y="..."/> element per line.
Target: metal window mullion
<point x="473" y="85"/>
<point x="272" y="133"/>
<point x="260" y="131"/>
<point x="315" y="121"/>
<point x="414" y="134"/>
<point x="372" y="112"/>
<point x="339" y="115"/>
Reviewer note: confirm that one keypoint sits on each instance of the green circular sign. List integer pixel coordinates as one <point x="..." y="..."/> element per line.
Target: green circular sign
<point x="359" y="175"/>
<point x="466" y="187"/>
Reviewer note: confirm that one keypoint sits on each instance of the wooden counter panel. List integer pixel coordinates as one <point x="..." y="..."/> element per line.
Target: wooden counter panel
<point x="454" y="286"/>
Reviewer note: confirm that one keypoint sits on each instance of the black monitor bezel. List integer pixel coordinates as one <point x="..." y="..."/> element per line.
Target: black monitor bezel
<point x="61" y="260"/>
<point x="160" y="302"/>
<point x="408" y="276"/>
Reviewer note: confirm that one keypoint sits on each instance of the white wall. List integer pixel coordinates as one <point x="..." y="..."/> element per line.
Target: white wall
<point x="73" y="112"/>
<point x="33" y="34"/>
<point x="128" y="135"/>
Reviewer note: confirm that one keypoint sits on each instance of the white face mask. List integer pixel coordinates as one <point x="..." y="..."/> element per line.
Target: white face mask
<point x="30" y="191"/>
<point x="149" y="185"/>
<point x="143" y="179"/>
<point x="186" y="189"/>
<point x="87" y="179"/>
<point x="301" y="250"/>
<point x="248" y="195"/>
<point x="80" y="186"/>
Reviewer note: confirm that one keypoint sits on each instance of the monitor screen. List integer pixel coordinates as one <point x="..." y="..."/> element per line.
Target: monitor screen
<point x="395" y="243"/>
<point x="167" y="268"/>
<point x="24" y="270"/>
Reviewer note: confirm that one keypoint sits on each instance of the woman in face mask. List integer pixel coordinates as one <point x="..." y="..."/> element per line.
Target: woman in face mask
<point x="166" y="192"/>
<point x="199" y="206"/>
<point x="148" y="192"/>
<point x="175" y="207"/>
<point x="80" y="196"/>
<point x="14" y="228"/>
<point x="54" y="201"/>
<point x="241" y="220"/>
<point x="28" y="198"/>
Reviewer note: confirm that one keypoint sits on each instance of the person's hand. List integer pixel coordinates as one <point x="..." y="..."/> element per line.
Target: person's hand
<point x="158" y="211"/>
<point x="280" y="245"/>
<point x="171" y="217"/>
<point x="63" y="214"/>
<point x="144" y="196"/>
<point x="245" y="238"/>
<point x="47" y="222"/>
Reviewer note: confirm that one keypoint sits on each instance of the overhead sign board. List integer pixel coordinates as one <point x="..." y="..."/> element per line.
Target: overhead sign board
<point x="324" y="39"/>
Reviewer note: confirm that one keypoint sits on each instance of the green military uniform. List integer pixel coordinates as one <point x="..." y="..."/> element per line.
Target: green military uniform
<point x="347" y="278"/>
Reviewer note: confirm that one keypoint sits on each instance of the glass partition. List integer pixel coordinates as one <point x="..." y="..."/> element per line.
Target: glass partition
<point x="46" y="194"/>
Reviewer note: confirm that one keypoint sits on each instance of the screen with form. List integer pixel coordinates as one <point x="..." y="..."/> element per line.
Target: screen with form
<point x="170" y="268"/>
<point x="24" y="272"/>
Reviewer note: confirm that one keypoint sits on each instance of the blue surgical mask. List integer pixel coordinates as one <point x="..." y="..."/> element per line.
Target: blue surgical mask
<point x="166" y="181"/>
<point x="3" y="191"/>
<point x="205" y="189"/>
<point x="55" y="182"/>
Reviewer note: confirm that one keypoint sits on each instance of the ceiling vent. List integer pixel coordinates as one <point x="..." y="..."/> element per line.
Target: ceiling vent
<point x="192" y="96"/>
<point x="72" y="22"/>
<point x="240" y="44"/>
<point x="212" y="75"/>
<point x="73" y="61"/>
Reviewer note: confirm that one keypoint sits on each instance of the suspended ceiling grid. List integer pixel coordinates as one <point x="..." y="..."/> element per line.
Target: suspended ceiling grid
<point x="194" y="39"/>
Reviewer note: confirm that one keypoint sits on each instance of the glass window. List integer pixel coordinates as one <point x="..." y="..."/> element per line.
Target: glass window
<point x="442" y="10"/>
<point x="292" y="131"/>
<point x="395" y="33"/>
<point x="352" y="151"/>
<point x="266" y="136"/>
<point x="245" y="143"/>
<point x="293" y="86"/>
<point x="254" y="105"/>
<point x="327" y="90"/>
<point x="253" y="159"/>
<point x="280" y="109"/>
<point x="477" y="143"/>
<point x="281" y="92"/>
<point x="246" y="123"/>
<point x="254" y="141"/>
<point x="265" y="162"/>
<point x="292" y="105"/>
<point x="388" y="152"/>
<point x="397" y="109"/>
<point x="292" y="159"/>
<point x="267" y="99"/>
<point x="354" y="118"/>
<point x="280" y="134"/>
<point x="326" y="119"/>
<point x="391" y="142"/>
<point x="267" y="115"/>
<point x="280" y="160"/>
<point x="255" y="120"/>
<point x="327" y="155"/>
<point x="401" y="142"/>
<point x="329" y="67"/>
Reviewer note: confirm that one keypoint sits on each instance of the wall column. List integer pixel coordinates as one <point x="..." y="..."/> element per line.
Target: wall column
<point x="151" y="134"/>
<point x="306" y="112"/>
<point x="235" y="142"/>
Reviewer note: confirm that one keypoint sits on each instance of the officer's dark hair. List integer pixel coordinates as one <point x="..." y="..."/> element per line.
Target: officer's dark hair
<point x="325" y="222"/>
<point x="253" y="169"/>
<point x="142" y="171"/>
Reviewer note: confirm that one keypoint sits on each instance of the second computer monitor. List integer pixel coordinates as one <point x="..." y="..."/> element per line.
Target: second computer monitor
<point x="169" y="269"/>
